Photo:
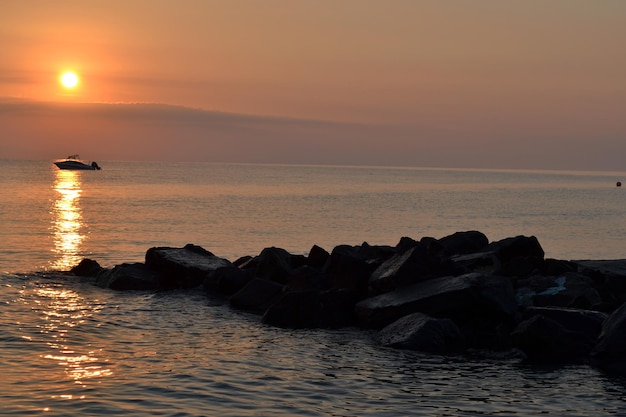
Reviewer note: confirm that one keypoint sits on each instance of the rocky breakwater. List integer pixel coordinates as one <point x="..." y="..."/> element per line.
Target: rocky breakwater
<point x="443" y="296"/>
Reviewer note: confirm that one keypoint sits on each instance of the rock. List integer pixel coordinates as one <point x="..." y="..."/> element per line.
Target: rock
<point x="556" y="267"/>
<point x="513" y="247"/>
<point x="129" y="276"/>
<point x="295" y="309"/>
<point x="615" y="267"/>
<point x="377" y="254"/>
<point x="347" y="268"/>
<point x="568" y="290"/>
<point x="570" y="341"/>
<point x="407" y="243"/>
<point x="467" y="296"/>
<point x="317" y="257"/>
<point x="546" y="341"/>
<point x="414" y="265"/>
<point x="312" y="309"/>
<point x="586" y="322"/>
<point x="307" y="278"/>
<point x="226" y="280"/>
<point x="338" y="307"/>
<point x="610" y="350"/>
<point x="86" y="268"/>
<point x="273" y="264"/>
<point x="420" y="332"/>
<point x="483" y="262"/>
<point x="461" y="243"/>
<point x="239" y="262"/>
<point x="185" y="267"/>
<point x="257" y="295"/>
<point x="610" y="277"/>
<point x="521" y="266"/>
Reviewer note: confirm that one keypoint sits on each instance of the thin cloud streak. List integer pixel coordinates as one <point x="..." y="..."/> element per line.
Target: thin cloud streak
<point x="148" y="131"/>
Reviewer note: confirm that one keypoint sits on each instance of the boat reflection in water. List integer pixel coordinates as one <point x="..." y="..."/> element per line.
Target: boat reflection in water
<point x="67" y="221"/>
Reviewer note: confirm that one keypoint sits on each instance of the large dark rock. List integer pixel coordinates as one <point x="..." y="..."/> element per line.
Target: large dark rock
<point x="226" y="280"/>
<point x="616" y="267"/>
<point x="521" y="266"/>
<point x="185" y="267"/>
<point x="461" y="243"/>
<point x="414" y="265"/>
<point x="347" y="268"/>
<point x="514" y="247"/>
<point x="586" y="322"/>
<point x="307" y="278"/>
<point x="421" y="332"/>
<point x="407" y="243"/>
<point x="544" y="340"/>
<point x="86" y="268"/>
<point x="518" y="256"/>
<point x="610" y="277"/>
<point x="317" y="257"/>
<point x="556" y="267"/>
<point x="257" y="295"/>
<point x="610" y="350"/>
<point x="129" y="276"/>
<point x="272" y="264"/>
<point x="466" y="296"/>
<point x="375" y="254"/>
<point x="483" y="262"/>
<point x="551" y="334"/>
<point x="312" y="309"/>
<point x="568" y="290"/>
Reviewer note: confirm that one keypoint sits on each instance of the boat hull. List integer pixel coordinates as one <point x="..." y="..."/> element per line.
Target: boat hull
<point x="75" y="165"/>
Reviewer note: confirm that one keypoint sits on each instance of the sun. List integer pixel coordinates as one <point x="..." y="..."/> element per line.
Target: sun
<point x="69" y="80"/>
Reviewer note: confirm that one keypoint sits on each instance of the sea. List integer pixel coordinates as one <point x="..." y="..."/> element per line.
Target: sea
<point x="69" y="348"/>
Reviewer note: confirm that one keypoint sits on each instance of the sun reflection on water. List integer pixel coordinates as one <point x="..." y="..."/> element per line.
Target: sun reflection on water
<point x="67" y="220"/>
<point x="63" y="311"/>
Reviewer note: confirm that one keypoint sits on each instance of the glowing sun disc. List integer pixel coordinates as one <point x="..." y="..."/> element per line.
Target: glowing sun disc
<point x="69" y="80"/>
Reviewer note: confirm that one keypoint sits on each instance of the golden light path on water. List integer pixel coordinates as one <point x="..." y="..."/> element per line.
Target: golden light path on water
<point x="67" y="219"/>
<point x="63" y="312"/>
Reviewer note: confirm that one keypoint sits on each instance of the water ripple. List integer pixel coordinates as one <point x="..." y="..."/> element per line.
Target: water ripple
<point x="70" y="348"/>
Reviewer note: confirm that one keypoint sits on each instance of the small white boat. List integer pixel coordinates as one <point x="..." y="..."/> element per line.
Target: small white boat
<point x="74" y="162"/>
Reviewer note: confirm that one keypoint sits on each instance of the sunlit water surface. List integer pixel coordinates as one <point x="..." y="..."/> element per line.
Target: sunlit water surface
<point x="51" y="218"/>
<point x="70" y="348"/>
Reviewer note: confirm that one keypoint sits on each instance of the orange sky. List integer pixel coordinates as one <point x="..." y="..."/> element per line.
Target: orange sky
<point x="493" y="84"/>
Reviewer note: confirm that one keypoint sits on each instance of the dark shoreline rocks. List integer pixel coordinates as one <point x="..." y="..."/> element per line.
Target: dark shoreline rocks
<point x="445" y="296"/>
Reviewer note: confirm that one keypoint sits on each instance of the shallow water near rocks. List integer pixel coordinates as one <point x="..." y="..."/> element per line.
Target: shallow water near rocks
<point x="70" y="348"/>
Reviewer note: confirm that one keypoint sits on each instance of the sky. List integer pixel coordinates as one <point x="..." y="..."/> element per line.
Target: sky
<point x="530" y="84"/>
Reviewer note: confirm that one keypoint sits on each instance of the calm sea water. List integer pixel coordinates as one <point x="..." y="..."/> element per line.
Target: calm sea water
<point x="69" y="348"/>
